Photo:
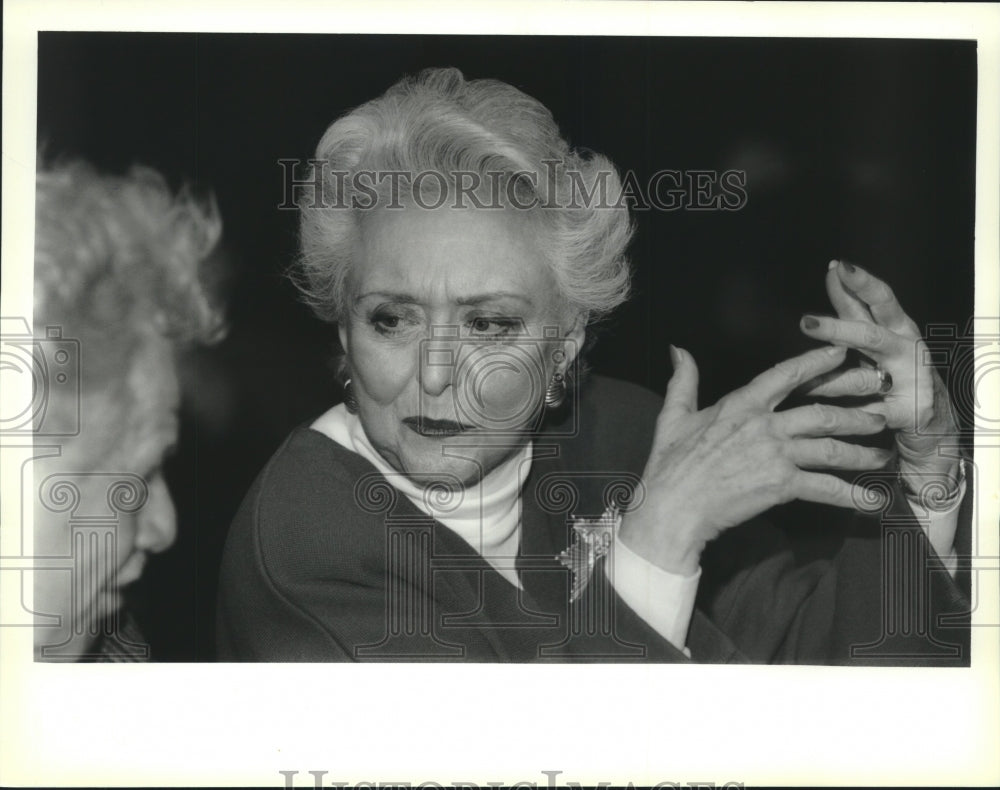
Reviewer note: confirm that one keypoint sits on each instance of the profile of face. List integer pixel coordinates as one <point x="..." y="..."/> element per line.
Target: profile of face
<point x="102" y="503"/>
<point x="454" y="328"/>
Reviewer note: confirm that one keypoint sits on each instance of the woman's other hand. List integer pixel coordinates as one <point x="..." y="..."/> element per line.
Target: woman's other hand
<point x="916" y="404"/>
<point x="714" y="468"/>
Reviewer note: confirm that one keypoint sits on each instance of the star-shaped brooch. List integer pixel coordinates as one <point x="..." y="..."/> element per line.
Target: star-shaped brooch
<point x="592" y="538"/>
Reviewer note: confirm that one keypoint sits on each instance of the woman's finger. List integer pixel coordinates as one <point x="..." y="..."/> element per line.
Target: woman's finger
<point x="876" y="341"/>
<point x="820" y="419"/>
<point x="682" y="389"/>
<point x="775" y="384"/>
<point x="878" y="407"/>
<point x="829" y="453"/>
<point x="878" y="296"/>
<point x="844" y="302"/>
<point x="829" y="490"/>
<point x="851" y="383"/>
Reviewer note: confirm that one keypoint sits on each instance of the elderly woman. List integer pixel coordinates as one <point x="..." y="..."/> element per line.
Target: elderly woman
<point x="117" y="292"/>
<point x="476" y="498"/>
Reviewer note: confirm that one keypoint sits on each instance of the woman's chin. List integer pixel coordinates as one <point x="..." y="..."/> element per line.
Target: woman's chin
<point x="445" y="462"/>
<point x="425" y="469"/>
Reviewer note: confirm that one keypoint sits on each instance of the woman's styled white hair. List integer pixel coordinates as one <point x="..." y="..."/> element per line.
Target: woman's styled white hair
<point x="440" y="123"/>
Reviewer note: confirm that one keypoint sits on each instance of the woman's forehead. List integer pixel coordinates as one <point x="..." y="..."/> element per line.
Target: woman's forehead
<point x="465" y="255"/>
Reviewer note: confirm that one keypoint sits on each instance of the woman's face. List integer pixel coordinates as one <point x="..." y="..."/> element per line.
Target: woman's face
<point x="454" y="328"/>
<point x="94" y="538"/>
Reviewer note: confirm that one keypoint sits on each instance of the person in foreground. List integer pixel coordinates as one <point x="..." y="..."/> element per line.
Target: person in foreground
<point x="475" y="498"/>
<point x="117" y="280"/>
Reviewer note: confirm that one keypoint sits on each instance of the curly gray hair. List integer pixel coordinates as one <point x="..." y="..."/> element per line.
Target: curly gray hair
<point x="118" y="257"/>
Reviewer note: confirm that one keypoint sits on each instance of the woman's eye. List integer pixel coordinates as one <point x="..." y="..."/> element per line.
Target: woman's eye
<point x="386" y="323"/>
<point x="494" y="327"/>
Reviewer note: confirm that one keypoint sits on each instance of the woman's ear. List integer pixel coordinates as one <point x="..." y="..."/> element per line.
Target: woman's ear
<point x="342" y="334"/>
<point x="573" y="339"/>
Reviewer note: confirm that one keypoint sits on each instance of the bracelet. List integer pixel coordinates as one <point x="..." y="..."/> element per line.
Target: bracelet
<point x="934" y="495"/>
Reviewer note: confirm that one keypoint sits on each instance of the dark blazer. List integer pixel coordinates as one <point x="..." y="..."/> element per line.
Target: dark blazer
<point x="325" y="561"/>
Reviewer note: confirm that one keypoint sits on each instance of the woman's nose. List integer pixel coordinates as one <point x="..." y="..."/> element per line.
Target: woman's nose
<point x="157" y="521"/>
<point x="437" y="366"/>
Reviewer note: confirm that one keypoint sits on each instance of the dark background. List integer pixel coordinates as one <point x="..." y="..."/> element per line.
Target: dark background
<point x="863" y="149"/>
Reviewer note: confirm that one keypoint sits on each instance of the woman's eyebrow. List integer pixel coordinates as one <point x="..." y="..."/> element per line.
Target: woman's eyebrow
<point x="394" y="298"/>
<point x="495" y="296"/>
<point x="474" y="300"/>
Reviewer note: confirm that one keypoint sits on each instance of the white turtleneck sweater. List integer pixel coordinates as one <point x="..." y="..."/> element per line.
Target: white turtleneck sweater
<point x="487" y="517"/>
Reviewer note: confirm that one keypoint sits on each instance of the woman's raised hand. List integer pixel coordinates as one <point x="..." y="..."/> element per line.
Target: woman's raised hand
<point x="916" y="405"/>
<point x="714" y="468"/>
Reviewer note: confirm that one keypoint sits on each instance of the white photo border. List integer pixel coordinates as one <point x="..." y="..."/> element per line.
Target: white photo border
<point x="225" y="724"/>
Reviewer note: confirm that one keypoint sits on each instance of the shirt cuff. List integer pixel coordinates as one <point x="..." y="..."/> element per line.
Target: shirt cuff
<point x="664" y="600"/>
<point x="940" y="527"/>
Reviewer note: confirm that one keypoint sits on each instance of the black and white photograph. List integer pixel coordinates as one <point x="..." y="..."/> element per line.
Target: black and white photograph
<point x="603" y="363"/>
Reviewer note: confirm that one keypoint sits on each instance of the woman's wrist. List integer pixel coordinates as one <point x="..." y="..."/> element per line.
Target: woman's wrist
<point x="934" y="486"/>
<point x="928" y="476"/>
<point x="671" y="547"/>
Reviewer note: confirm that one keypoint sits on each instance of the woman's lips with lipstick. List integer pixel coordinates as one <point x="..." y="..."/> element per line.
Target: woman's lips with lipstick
<point x="425" y="426"/>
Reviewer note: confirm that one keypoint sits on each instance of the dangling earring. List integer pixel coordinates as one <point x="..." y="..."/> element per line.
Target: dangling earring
<point x="555" y="393"/>
<point x="350" y="401"/>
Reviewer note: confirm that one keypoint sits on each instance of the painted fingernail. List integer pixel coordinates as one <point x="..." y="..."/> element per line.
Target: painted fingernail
<point x="809" y="322"/>
<point x="848" y="267"/>
<point x="886" y="385"/>
<point x="675" y="356"/>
